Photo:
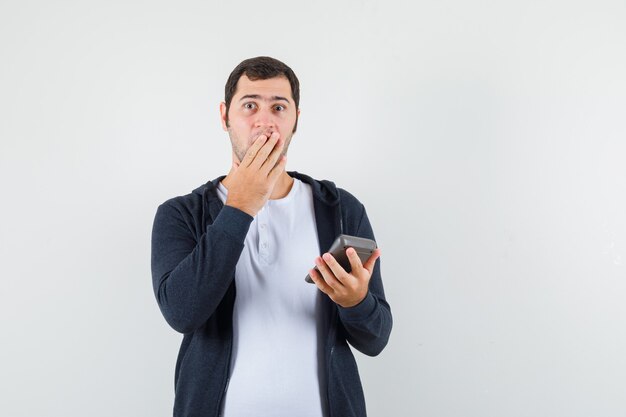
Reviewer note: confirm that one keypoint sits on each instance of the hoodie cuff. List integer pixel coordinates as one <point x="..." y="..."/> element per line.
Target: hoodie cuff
<point x="233" y="222"/>
<point x="359" y="312"/>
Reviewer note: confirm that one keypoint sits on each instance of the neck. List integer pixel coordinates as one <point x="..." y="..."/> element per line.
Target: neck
<point x="282" y="187"/>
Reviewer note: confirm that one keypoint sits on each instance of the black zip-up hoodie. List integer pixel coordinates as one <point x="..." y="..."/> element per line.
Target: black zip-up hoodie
<point x="196" y="243"/>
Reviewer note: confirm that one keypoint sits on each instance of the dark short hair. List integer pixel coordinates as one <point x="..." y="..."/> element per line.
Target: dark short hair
<point x="261" y="68"/>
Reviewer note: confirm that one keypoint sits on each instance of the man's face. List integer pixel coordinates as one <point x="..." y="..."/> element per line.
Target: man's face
<point x="259" y="107"/>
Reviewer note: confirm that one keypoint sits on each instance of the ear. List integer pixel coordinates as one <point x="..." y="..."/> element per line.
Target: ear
<point x="223" y="116"/>
<point x="295" y="126"/>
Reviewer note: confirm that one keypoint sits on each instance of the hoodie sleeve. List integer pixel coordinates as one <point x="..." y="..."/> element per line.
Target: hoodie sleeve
<point x="189" y="276"/>
<point x="368" y="324"/>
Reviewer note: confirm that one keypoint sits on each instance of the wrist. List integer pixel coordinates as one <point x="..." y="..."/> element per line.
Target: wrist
<point x="354" y="302"/>
<point x="239" y="206"/>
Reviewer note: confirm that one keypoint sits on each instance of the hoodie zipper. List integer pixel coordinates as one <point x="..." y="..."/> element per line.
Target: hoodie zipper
<point x="331" y="338"/>
<point x="220" y="410"/>
<point x="334" y="321"/>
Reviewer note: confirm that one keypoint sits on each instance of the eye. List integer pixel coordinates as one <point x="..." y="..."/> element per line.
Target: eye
<point x="249" y="106"/>
<point x="279" y="107"/>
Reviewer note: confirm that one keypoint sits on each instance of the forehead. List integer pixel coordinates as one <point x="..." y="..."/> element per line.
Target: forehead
<point x="278" y="86"/>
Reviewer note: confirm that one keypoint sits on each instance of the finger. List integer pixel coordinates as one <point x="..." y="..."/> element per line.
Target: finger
<point x="253" y="150"/>
<point x="334" y="266"/>
<point x="270" y="162"/>
<point x="327" y="274"/>
<point x="265" y="150"/>
<point x="369" y="264"/>
<point x="355" y="261"/>
<point x="319" y="282"/>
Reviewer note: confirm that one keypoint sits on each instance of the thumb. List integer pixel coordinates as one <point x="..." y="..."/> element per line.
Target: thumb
<point x="369" y="264"/>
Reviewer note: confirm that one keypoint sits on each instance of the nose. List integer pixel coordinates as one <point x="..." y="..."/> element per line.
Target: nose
<point x="265" y="119"/>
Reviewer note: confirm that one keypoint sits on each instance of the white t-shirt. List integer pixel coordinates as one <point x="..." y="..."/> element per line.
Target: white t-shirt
<point x="274" y="362"/>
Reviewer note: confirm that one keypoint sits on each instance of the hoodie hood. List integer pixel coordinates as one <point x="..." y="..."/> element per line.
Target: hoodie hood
<point x="323" y="190"/>
<point x="325" y="193"/>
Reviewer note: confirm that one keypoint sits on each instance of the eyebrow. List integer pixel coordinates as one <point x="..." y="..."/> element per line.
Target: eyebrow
<point x="257" y="96"/>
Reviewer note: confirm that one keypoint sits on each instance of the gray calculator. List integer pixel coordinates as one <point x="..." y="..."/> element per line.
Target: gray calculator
<point x="364" y="249"/>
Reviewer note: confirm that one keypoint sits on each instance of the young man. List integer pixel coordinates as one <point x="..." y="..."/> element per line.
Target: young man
<point x="228" y="268"/>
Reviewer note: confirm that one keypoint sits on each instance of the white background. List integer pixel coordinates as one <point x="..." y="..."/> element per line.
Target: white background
<point x="486" y="139"/>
